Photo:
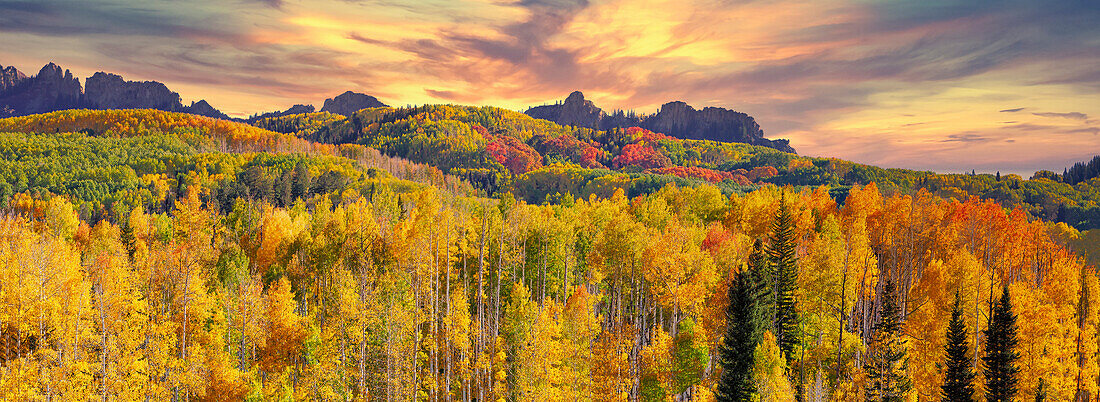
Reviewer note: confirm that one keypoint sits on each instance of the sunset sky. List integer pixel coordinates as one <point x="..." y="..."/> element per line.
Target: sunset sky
<point x="941" y="85"/>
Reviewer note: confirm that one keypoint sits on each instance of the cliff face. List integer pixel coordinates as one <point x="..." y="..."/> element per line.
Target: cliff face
<point x="54" y="89"/>
<point x="575" y="111"/>
<point x="51" y="89"/>
<point x="350" y="102"/>
<point x="202" y="108"/>
<point x="676" y="119"/>
<point x="710" y="123"/>
<point x="10" y="77"/>
<point x="110" y="91"/>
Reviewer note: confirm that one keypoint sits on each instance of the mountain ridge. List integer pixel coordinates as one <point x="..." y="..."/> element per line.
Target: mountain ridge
<point x="54" y="89"/>
<point x="676" y="119"/>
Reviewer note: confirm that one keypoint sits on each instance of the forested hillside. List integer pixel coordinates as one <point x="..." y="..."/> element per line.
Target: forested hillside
<point x="502" y="150"/>
<point x="152" y="255"/>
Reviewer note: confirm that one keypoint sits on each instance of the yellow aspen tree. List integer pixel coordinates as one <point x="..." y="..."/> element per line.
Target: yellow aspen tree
<point x="655" y="366"/>
<point x="545" y="373"/>
<point x="680" y="273"/>
<point x="118" y="315"/>
<point x="771" y="372"/>
<point x="933" y="298"/>
<point x="285" y="330"/>
<point x="581" y="325"/>
<point x="611" y="370"/>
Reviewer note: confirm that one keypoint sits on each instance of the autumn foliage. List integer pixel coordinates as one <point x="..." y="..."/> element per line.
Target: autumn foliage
<point x="154" y="267"/>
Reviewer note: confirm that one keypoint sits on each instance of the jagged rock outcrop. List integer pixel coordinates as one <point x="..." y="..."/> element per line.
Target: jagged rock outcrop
<point x="110" y="91"/>
<point x="202" y="108"/>
<point x="350" y="102"/>
<point x="56" y="89"/>
<point x="10" y="77"/>
<point x="575" y="111"/>
<point x="680" y="120"/>
<point x="51" y="89"/>
<point x="296" y="109"/>
<point x="676" y="119"/>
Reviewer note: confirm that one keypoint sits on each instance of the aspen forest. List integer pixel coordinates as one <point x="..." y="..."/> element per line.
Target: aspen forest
<point x="158" y="256"/>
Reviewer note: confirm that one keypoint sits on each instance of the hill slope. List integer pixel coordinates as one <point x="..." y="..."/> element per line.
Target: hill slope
<point x="143" y="252"/>
<point x="502" y="150"/>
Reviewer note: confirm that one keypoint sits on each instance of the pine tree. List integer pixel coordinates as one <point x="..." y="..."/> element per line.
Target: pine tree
<point x="784" y="281"/>
<point x="759" y="266"/>
<point x="1000" y="352"/>
<point x="887" y="361"/>
<point x="744" y="328"/>
<point x="1041" y="391"/>
<point x="958" y="384"/>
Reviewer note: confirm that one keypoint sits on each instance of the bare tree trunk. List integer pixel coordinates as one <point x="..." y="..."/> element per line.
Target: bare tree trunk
<point x="840" y="316"/>
<point x="480" y="308"/>
<point x="102" y="339"/>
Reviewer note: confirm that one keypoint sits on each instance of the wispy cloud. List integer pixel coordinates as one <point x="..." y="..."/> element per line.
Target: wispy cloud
<point x="1069" y="115"/>
<point x="966" y="137"/>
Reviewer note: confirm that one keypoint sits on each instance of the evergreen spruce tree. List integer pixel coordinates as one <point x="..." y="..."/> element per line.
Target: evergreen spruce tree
<point x="784" y="281"/>
<point x="1041" y="391"/>
<point x="763" y="278"/>
<point x="958" y="383"/>
<point x="744" y="328"/>
<point x="1000" y="352"/>
<point x="887" y="361"/>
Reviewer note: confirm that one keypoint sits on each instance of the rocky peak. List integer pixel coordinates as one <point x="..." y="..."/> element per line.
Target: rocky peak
<point x="50" y="70"/>
<point x="10" y="77"/>
<point x="575" y="111"/>
<point x="56" y="89"/>
<point x="575" y="97"/>
<point x="350" y="102"/>
<point x="202" y="108"/>
<point x="110" y="91"/>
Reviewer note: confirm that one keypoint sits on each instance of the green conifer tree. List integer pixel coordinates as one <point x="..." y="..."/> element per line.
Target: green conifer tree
<point x="958" y="383"/>
<point x="759" y="265"/>
<point x="781" y="251"/>
<point x="887" y="361"/>
<point x="1000" y="352"/>
<point x="744" y="327"/>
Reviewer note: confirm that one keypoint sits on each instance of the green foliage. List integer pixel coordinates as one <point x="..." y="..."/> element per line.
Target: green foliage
<point x="302" y="125"/>
<point x="887" y="362"/>
<point x="999" y="362"/>
<point x="690" y="356"/>
<point x="784" y="263"/>
<point x="744" y="327"/>
<point x="958" y="383"/>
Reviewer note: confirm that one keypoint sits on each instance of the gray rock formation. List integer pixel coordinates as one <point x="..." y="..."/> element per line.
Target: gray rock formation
<point x="51" y="89"/>
<point x="110" y="91"/>
<point x="202" y="108"/>
<point x="676" y="119"/>
<point x="9" y="78"/>
<point x="575" y="111"/>
<point x="350" y="102"/>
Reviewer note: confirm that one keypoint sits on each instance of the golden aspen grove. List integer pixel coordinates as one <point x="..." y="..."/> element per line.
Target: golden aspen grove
<point x="158" y="256"/>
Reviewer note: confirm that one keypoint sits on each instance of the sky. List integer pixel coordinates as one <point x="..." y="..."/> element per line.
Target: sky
<point x="949" y="86"/>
